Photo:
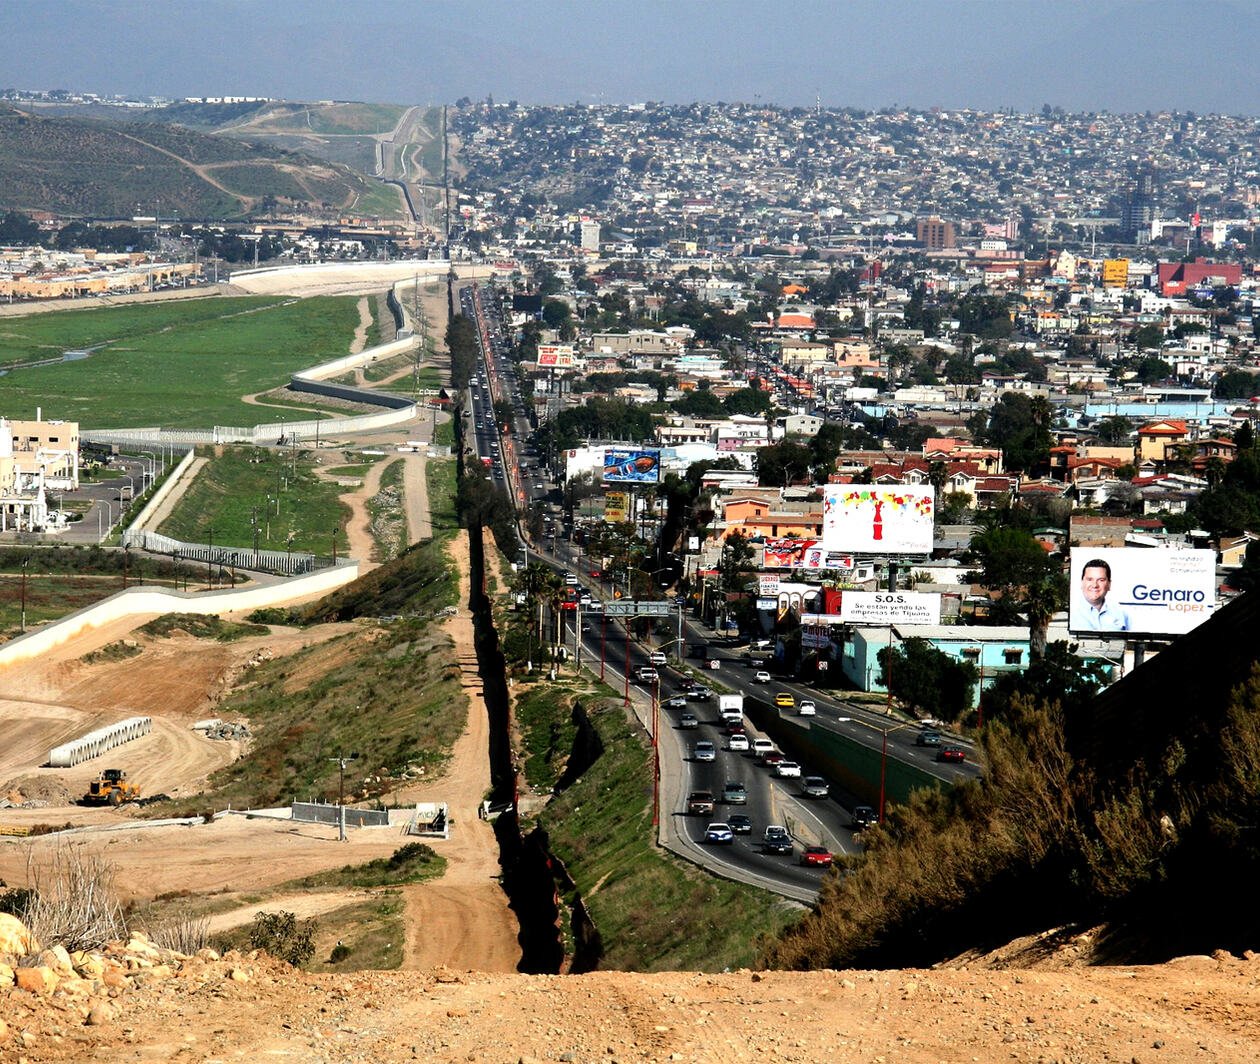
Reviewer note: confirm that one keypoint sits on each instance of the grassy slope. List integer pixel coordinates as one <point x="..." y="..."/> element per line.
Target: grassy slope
<point x="181" y="366"/>
<point x="236" y="483"/>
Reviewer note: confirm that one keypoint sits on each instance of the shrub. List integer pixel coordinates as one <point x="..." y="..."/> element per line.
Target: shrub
<point x="283" y="937"/>
<point x="339" y="953"/>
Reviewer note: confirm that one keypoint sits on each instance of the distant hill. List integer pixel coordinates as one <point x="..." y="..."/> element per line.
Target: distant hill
<point x="115" y="169"/>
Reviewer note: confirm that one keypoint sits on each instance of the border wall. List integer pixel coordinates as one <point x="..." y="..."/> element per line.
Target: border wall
<point x="153" y="601"/>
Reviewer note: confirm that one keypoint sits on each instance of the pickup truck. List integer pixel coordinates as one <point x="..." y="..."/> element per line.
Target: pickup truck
<point x="700" y="803"/>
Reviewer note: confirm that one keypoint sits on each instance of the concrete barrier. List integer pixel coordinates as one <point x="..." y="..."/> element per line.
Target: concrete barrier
<point x="98" y="741"/>
<point x="144" y="601"/>
<point x="320" y="813"/>
<point x="166" y="487"/>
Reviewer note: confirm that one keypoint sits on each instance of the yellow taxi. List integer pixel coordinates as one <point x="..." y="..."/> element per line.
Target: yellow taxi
<point x="784" y="700"/>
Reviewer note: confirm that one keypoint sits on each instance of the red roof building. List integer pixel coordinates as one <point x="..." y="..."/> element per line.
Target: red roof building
<point x="1176" y="277"/>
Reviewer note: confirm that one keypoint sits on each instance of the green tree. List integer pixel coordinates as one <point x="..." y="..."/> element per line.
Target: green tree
<point x="1020" y="426"/>
<point x="700" y="402"/>
<point x="928" y="680"/>
<point x="1236" y="384"/>
<point x="750" y="401"/>
<point x="1113" y="431"/>
<point x="783" y="463"/>
<point x="281" y="935"/>
<point x="1028" y="581"/>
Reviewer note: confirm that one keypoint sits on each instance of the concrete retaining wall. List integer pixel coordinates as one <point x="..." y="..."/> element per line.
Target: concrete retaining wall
<point x="288" y="563"/>
<point x="159" y="496"/>
<point x="96" y="742"/>
<point x="144" y="601"/>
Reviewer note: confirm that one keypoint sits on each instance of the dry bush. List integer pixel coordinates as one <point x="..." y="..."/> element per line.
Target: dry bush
<point x="72" y="902"/>
<point x="181" y="932"/>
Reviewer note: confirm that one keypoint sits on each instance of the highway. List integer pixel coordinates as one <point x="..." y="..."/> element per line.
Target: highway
<point x="604" y="650"/>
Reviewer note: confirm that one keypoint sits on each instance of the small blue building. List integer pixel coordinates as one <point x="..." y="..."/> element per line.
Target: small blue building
<point x="992" y="651"/>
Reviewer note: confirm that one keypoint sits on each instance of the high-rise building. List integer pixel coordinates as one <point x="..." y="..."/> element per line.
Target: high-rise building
<point x="935" y="234"/>
<point x="588" y="235"/>
<point x="1138" y="209"/>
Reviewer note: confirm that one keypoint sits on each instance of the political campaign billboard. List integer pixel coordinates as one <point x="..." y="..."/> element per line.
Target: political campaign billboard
<point x="890" y="607"/>
<point x="878" y="519"/>
<point x="1140" y="590"/>
<point x="623" y="466"/>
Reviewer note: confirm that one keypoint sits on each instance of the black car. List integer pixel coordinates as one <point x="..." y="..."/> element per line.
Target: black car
<point x="740" y="823"/>
<point x="863" y="817"/>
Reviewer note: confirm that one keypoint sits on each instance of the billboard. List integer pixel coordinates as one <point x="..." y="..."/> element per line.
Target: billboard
<point x="1142" y="590"/>
<point x="802" y="554"/>
<point x="616" y="507"/>
<point x="891" y="607"/>
<point x="632" y="466"/>
<point x="1115" y="273"/>
<point x="554" y="355"/>
<point x="767" y="586"/>
<point x="877" y="519"/>
<point x="767" y="604"/>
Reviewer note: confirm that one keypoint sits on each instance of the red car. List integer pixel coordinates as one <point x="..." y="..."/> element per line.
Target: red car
<point x="951" y="753"/>
<point x="772" y="759"/>
<point x="735" y="727"/>
<point x="818" y="856"/>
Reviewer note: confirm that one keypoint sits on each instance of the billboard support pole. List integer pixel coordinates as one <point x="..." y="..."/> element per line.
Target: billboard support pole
<point x="603" y="638"/>
<point x="625" y="624"/>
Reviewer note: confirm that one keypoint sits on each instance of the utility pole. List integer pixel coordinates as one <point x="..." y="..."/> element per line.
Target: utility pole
<point x="342" y="762"/>
<point x="209" y="558"/>
<point x="25" y="562"/>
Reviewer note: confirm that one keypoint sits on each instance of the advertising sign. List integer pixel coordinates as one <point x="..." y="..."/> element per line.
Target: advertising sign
<point x="891" y="607"/>
<point x="616" y="507"/>
<point x="632" y="467"/>
<point x="767" y="604"/>
<point x="874" y="519"/>
<point x="815" y="638"/>
<point x="554" y="355"/>
<point x="767" y="586"/>
<point x="1141" y="590"/>
<point x="785" y="553"/>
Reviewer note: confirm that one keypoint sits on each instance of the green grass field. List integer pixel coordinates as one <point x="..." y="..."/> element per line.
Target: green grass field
<point x="179" y="365"/>
<point x="232" y="487"/>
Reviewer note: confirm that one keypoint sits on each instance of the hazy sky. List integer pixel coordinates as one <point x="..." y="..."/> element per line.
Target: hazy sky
<point x="1119" y="55"/>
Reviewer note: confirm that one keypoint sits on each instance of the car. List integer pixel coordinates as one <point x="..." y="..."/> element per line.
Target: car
<point x="585" y="600"/>
<point x="776" y="839"/>
<point x="951" y="753"/>
<point x="735" y="793"/>
<point x="719" y="832"/>
<point x="700" y="694"/>
<point x="704" y="750"/>
<point x="787" y="770"/>
<point x="689" y="720"/>
<point x="761" y="644"/>
<point x="735" y="727"/>
<point x="700" y="802"/>
<point x="740" y="823"/>
<point x="761" y="676"/>
<point x="815" y="787"/>
<point x="676" y="702"/>
<point x="646" y="674"/>
<point x="570" y="580"/>
<point x="772" y="759"/>
<point x="658" y="658"/>
<point x="595" y="573"/>
<point x="817" y="856"/>
<point x="738" y="742"/>
<point x="784" y="700"/>
<point x="863" y="816"/>
<point x="931" y="737"/>
<point x="687" y="683"/>
<point x="761" y="747"/>
<point x="806" y="708"/>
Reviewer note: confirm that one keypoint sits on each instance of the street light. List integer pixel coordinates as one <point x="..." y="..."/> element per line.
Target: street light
<point x="883" y="757"/>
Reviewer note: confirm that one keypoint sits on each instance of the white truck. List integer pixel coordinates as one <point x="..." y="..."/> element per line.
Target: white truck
<point x="731" y="707"/>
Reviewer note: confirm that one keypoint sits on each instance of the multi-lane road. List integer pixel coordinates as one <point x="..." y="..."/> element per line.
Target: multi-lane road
<point x="605" y="649"/>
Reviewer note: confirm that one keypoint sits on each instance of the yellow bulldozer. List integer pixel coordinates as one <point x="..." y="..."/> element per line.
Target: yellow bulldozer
<point x="111" y="788"/>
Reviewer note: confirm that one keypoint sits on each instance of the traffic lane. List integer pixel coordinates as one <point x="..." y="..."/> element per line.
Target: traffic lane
<point x="745" y="853"/>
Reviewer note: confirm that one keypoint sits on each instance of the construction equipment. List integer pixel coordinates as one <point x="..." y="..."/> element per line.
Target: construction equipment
<point x="111" y="788"/>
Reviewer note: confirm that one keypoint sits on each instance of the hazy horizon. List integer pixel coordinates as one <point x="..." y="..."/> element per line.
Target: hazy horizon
<point x="1112" y="55"/>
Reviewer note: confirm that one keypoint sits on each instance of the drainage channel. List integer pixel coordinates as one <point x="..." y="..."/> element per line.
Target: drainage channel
<point x="528" y="878"/>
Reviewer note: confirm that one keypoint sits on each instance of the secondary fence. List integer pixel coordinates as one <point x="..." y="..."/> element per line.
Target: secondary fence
<point x="288" y="563"/>
<point x="96" y="742"/>
<point x="321" y="813"/>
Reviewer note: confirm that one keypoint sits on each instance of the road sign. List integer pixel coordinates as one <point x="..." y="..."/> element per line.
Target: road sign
<point x="627" y="608"/>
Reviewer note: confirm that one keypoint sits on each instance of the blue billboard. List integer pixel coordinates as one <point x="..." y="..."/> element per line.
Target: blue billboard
<point x="623" y="466"/>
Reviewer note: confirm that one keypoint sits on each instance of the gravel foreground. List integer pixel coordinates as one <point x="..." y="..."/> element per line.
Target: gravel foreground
<point x="134" y="1001"/>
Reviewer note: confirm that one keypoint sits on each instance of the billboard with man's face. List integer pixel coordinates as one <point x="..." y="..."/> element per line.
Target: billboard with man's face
<point x="632" y="467"/>
<point x="878" y="519"/>
<point x="1139" y="590"/>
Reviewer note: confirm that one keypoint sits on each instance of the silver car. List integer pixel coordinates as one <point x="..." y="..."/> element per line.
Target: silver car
<point x="704" y="750"/>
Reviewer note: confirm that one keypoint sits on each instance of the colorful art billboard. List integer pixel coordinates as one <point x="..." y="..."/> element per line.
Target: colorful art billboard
<point x="632" y="467"/>
<point x="877" y="519"/>
<point x="1140" y="590"/>
<point x="891" y="607"/>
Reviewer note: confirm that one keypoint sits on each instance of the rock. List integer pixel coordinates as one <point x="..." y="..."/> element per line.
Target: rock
<point x="207" y="954"/>
<point x="38" y="980"/>
<point x="74" y="985"/>
<point x="238" y="975"/>
<point x="56" y="958"/>
<point x="6" y="976"/>
<point x="4" y="1031"/>
<point x="14" y="936"/>
<point x="100" y="1015"/>
<point x="88" y="965"/>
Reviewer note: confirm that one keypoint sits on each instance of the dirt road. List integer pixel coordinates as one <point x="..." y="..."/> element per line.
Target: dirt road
<point x="463" y="920"/>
